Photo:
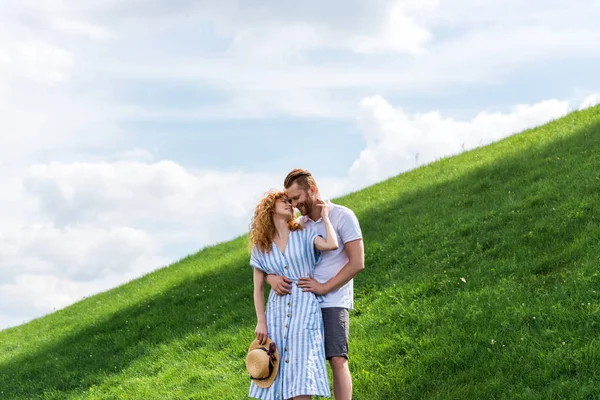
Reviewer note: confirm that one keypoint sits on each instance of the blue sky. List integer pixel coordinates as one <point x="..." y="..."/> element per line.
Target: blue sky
<point x="134" y="133"/>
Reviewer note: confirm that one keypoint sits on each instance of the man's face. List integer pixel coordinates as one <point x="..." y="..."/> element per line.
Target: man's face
<point x="301" y="199"/>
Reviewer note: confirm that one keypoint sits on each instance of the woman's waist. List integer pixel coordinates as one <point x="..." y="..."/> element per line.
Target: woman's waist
<point x="294" y="282"/>
<point x="296" y="292"/>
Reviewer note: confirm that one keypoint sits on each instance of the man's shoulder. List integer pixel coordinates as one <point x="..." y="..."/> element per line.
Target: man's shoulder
<point x="342" y="211"/>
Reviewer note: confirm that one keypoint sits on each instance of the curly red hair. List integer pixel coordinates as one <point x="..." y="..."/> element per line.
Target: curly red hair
<point x="262" y="228"/>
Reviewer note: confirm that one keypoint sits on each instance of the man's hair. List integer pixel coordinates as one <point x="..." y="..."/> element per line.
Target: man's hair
<point x="300" y="176"/>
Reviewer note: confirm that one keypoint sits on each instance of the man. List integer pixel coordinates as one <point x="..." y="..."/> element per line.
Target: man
<point x="333" y="276"/>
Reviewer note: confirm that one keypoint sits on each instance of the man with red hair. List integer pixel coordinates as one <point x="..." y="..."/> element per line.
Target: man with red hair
<point x="333" y="274"/>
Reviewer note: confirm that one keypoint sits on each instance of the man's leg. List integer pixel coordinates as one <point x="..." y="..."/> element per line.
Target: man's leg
<point x="342" y="380"/>
<point x="336" y="321"/>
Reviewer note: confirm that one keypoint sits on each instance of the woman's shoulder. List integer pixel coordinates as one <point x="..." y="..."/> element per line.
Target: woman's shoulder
<point x="308" y="233"/>
<point x="257" y="252"/>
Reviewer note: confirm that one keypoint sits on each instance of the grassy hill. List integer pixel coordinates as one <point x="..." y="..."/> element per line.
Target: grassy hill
<point x="482" y="280"/>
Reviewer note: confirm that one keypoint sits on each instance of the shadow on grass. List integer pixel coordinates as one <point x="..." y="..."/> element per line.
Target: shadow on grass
<point x="108" y="346"/>
<point x="543" y="194"/>
<point x="443" y="219"/>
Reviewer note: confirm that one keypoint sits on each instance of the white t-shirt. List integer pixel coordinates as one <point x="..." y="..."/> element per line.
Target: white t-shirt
<point x="347" y="228"/>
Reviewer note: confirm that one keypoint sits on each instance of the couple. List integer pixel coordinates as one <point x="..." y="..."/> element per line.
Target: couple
<point x="309" y="263"/>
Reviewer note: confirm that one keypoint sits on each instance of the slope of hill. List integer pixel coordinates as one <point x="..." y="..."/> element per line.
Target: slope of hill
<point x="481" y="281"/>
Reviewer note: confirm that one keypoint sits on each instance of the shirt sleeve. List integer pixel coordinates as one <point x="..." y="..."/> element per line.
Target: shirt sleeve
<point x="256" y="259"/>
<point x="314" y="255"/>
<point x="348" y="227"/>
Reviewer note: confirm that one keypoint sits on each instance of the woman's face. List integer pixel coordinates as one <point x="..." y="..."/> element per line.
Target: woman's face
<point x="283" y="207"/>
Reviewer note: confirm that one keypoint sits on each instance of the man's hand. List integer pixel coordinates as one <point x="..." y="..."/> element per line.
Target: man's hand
<point x="310" y="284"/>
<point x="280" y="284"/>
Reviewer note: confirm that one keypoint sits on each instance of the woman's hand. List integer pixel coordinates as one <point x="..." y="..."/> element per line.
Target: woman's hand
<point x="261" y="332"/>
<point x="325" y="208"/>
<point x="331" y="240"/>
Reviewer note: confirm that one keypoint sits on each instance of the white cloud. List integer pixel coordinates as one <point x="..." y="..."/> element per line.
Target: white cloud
<point x="387" y="28"/>
<point x="37" y="292"/>
<point x="590" y="101"/>
<point x="398" y="141"/>
<point x="43" y="109"/>
<point x="78" y="253"/>
<point x="137" y="154"/>
<point x="271" y="47"/>
<point x="36" y="61"/>
<point x="282" y="59"/>
<point x="76" y="27"/>
<point x="86" y="192"/>
<point x="400" y="34"/>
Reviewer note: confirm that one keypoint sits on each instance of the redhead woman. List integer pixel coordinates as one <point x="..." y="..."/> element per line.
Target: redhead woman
<point x="281" y="246"/>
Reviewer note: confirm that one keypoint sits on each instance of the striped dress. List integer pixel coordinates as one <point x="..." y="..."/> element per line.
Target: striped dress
<point x="294" y="321"/>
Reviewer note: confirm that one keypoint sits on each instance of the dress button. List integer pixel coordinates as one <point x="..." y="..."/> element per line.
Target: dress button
<point x="286" y="267"/>
<point x="285" y="349"/>
<point x="288" y="315"/>
<point x="287" y="361"/>
<point x="286" y="325"/>
<point x="288" y="304"/>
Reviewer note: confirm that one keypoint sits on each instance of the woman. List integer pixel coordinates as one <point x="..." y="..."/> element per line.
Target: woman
<point x="294" y="322"/>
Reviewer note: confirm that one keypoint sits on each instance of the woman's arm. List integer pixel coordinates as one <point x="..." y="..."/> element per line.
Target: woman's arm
<point x="331" y="240"/>
<point x="261" y="331"/>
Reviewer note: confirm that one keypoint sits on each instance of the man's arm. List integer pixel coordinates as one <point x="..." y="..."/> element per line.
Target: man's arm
<point x="356" y="262"/>
<point x="355" y="251"/>
<point x="280" y="284"/>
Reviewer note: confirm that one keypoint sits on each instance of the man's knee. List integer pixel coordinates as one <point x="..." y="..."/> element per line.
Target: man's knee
<point x="338" y="362"/>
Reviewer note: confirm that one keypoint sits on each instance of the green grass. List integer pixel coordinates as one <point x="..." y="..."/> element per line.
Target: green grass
<point x="518" y="220"/>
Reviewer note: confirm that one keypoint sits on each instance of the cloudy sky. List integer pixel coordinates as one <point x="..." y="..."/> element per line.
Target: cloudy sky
<point x="133" y="133"/>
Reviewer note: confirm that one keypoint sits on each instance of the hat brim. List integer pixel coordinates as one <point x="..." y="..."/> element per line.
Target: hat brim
<point x="269" y="381"/>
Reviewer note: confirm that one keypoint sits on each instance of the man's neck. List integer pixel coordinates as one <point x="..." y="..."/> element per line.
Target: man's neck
<point x="315" y="213"/>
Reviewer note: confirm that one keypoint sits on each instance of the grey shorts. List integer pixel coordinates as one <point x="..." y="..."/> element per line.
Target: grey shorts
<point x="337" y="325"/>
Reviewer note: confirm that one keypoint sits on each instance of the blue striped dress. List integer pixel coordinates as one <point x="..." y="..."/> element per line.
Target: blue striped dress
<point x="294" y="321"/>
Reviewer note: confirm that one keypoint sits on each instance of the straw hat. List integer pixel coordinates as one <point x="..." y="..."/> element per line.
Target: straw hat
<point x="262" y="363"/>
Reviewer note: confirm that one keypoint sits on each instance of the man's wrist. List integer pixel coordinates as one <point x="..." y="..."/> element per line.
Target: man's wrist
<point x="326" y="288"/>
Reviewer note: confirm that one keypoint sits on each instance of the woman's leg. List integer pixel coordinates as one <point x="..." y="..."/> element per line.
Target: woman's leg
<point x="304" y="397"/>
